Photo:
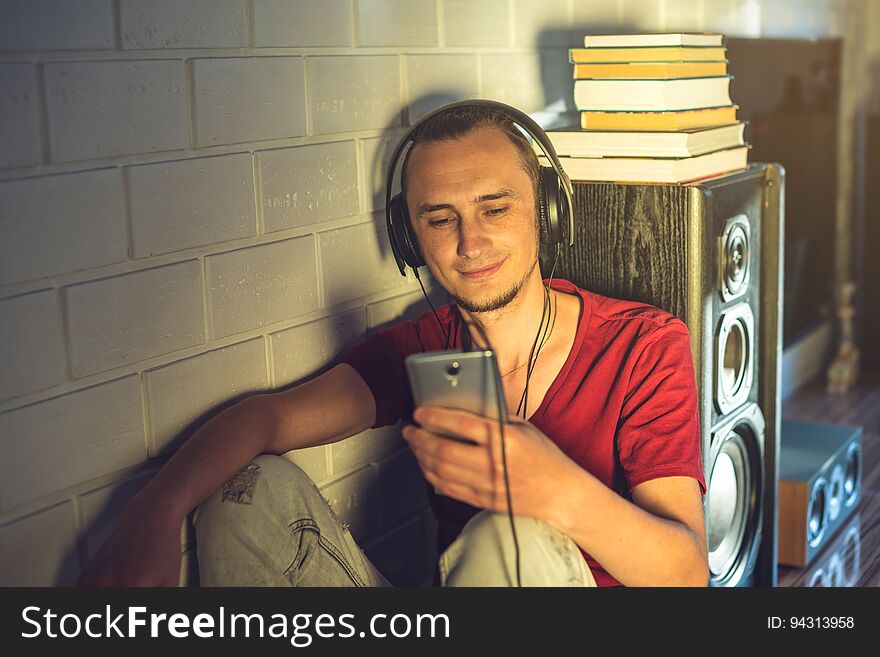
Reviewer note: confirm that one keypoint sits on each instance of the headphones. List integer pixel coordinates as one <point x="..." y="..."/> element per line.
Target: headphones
<point x="556" y="219"/>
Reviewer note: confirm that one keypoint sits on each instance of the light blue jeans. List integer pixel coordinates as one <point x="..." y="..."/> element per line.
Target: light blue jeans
<point x="269" y="525"/>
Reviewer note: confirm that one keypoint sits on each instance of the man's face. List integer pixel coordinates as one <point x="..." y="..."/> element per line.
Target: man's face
<point x="473" y="212"/>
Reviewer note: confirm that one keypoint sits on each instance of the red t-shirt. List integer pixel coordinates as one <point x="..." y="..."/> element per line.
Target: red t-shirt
<point x="623" y="406"/>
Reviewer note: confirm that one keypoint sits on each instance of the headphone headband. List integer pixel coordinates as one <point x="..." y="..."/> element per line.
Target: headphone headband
<point x="522" y="119"/>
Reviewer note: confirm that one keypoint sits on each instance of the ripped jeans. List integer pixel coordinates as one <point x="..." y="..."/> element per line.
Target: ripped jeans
<point x="269" y="525"/>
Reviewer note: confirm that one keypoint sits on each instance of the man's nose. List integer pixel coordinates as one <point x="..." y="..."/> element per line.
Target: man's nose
<point x="473" y="241"/>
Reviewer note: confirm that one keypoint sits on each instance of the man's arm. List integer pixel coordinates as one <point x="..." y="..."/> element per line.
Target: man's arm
<point x="658" y="539"/>
<point x="145" y="547"/>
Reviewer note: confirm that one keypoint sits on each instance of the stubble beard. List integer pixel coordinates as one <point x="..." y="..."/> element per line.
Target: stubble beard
<point x="497" y="302"/>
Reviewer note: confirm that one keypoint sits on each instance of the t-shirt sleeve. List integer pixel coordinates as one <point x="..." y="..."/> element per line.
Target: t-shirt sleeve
<point x="659" y="430"/>
<point x="379" y="359"/>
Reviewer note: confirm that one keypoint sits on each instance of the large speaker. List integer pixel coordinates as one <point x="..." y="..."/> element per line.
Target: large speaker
<point x="711" y="254"/>
<point x="820" y="474"/>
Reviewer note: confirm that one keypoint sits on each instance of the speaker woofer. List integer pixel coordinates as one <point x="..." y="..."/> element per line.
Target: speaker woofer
<point x="734" y="358"/>
<point x="734" y="252"/>
<point x="734" y="492"/>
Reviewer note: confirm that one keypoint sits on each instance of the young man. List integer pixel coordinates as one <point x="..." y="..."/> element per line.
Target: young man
<point x="605" y="476"/>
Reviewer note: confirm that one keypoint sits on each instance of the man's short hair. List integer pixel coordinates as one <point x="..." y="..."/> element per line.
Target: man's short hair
<point x="458" y="122"/>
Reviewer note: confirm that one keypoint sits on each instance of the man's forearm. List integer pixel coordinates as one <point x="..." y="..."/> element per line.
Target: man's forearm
<point x="636" y="547"/>
<point x="215" y="452"/>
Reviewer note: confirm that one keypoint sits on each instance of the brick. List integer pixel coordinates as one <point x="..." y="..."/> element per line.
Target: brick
<point x="312" y="460"/>
<point x="354" y="93"/>
<point x="733" y="18"/>
<point x="408" y="306"/>
<point x="187" y="203"/>
<point x="104" y="109"/>
<point x="355" y="265"/>
<point x="365" y="447"/>
<point x="261" y="285"/>
<point x="403" y="488"/>
<point x="595" y="18"/>
<point x="776" y="20"/>
<point x="400" y="556"/>
<point x="175" y="24"/>
<point x="539" y="25"/>
<point x="355" y="499"/>
<point x="397" y="23"/>
<point x="19" y="129"/>
<point x="476" y="24"/>
<point x="70" y="439"/>
<point x="527" y="81"/>
<point x="183" y="395"/>
<point x="305" y="349"/>
<point x="40" y="549"/>
<point x="56" y="24"/>
<point x="125" y="319"/>
<point x="434" y="80"/>
<point x="642" y="15"/>
<point x="683" y="16"/>
<point x="376" y="157"/>
<point x="305" y="23"/>
<point x="57" y="224"/>
<point x="249" y="99"/>
<point x="101" y="510"/>
<point x="308" y="184"/>
<point x="31" y="344"/>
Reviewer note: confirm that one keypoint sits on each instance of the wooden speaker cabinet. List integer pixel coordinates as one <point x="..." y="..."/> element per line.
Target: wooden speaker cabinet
<point x="710" y="253"/>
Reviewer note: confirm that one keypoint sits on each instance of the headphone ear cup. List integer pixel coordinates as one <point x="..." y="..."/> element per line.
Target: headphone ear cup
<point x="543" y="228"/>
<point x="403" y="242"/>
<point x="550" y="210"/>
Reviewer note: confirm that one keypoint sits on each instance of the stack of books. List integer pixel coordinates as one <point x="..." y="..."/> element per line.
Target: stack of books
<point x="653" y="108"/>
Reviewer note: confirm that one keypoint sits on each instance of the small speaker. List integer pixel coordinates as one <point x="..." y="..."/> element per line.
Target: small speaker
<point x="820" y="474"/>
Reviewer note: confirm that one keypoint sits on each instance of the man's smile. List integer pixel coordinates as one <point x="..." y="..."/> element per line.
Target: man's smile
<point x="486" y="272"/>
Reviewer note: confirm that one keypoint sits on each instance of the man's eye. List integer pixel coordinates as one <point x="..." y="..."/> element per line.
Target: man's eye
<point x="436" y="223"/>
<point x="496" y="211"/>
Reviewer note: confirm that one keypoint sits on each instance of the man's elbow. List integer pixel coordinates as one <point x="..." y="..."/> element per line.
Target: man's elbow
<point x="698" y="575"/>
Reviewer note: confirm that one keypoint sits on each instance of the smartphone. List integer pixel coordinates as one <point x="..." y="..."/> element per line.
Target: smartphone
<point x="466" y="380"/>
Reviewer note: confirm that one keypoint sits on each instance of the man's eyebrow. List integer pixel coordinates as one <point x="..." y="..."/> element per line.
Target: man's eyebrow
<point x="427" y="208"/>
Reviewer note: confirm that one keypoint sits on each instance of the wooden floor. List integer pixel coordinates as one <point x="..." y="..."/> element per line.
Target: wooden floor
<point x="853" y="556"/>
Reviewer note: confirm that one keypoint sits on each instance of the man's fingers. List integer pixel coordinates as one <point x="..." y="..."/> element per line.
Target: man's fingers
<point x="456" y="422"/>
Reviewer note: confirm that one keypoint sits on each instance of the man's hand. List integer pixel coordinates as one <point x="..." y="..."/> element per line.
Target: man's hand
<point x="144" y="550"/>
<point x="474" y="474"/>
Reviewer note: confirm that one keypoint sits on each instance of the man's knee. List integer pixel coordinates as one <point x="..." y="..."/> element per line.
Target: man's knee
<point x="249" y="493"/>
<point x="484" y="554"/>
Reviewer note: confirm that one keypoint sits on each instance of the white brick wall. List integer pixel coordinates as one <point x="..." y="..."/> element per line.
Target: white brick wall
<point x="52" y="225"/>
<point x="181" y="392"/>
<point x="248" y="99"/>
<point x="187" y="203"/>
<point x="308" y="184"/>
<point x="280" y="23"/>
<point x="33" y="356"/>
<point x="56" y="25"/>
<point x="190" y="210"/>
<point x="40" y="549"/>
<point x="261" y="285"/>
<point x="125" y="319"/>
<point x="19" y="131"/>
<point x="102" y="109"/>
<point x="354" y="93"/>
<point x="176" y="24"/>
<point x="70" y="439"/>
